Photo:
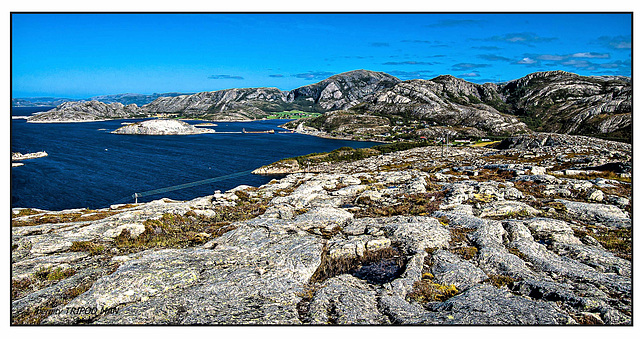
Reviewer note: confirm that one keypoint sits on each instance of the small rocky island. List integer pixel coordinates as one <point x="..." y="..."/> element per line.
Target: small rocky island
<point x="535" y="230"/>
<point x="162" y="127"/>
<point x="17" y="156"/>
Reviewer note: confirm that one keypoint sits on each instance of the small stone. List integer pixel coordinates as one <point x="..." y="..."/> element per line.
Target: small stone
<point x="595" y="195"/>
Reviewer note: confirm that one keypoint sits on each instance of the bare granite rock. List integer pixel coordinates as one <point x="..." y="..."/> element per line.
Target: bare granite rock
<point x="356" y="242"/>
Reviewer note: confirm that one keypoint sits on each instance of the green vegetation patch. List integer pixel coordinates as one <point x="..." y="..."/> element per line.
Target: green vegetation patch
<point x="498" y="280"/>
<point x="179" y="231"/>
<point x="410" y="204"/>
<point x="87" y="246"/>
<point x="25" y="212"/>
<point x="426" y="290"/>
<point x="294" y="114"/>
<point x="86" y="215"/>
<point x="618" y="241"/>
<point x="51" y="274"/>
<point x="348" y="154"/>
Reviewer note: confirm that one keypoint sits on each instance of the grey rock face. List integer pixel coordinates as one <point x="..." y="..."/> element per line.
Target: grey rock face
<point x="344" y="90"/>
<point x="439" y="100"/>
<point x="345" y="300"/>
<point x="597" y="213"/>
<point x="577" y="99"/>
<point x="448" y="269"/>
<point x="238" y="103"/>
<point x="487" y="305"/>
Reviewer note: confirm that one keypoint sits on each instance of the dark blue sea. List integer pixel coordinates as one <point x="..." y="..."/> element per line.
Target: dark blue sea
<point x="89" y="167"/>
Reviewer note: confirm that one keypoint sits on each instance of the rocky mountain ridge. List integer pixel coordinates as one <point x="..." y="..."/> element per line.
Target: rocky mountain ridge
<point x="554" y="101"/>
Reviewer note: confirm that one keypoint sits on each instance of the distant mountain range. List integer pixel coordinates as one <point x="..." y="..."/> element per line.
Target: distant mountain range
<point x="366" y="104"/>
<point x="125" y="99"/>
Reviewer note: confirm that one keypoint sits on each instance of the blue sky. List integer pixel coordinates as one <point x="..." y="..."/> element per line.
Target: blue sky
<point x="83" y="55"/>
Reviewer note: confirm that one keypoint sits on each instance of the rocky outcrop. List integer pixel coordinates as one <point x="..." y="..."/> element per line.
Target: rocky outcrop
<point x="344" y="90"/>
<point x="87" y="111"/>
<point x="410" y="237"/>
<point x="228" y="104"/>
<point x="161" y="127"/>
<point x="446" y="100"/>
<point x="17" y="156"/>
<point x="564" y="102"/>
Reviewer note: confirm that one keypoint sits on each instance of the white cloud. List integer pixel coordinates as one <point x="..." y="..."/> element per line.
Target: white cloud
<point x="527" y="61"/>
<point x="591" y="55"/>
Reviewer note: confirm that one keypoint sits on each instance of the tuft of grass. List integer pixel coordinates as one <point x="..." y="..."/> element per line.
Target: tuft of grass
<point x="523" y="213"/>
<point x="444" y="221"/>
<point x="50" y="274"/>
<point x="410" y="204"/>
<point x="25" y="212"/>
<point x="87" y="215"/>
<point x="498" y="280"/>
<point x="459" y="234"/>
<point x="467" y="252"/>
<point x="618" y="241"/>
<point x="59" y="274"/>
<point x="425" y="291"/>
<point x="87" y="246"/>
<point x="517" y="253"/>
<point x="179" y="231"/>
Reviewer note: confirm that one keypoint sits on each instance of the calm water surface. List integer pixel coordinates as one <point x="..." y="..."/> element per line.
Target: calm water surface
<point x="89" y="167"/>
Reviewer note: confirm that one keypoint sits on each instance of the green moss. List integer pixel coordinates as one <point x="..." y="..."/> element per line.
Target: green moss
<point x="87" y="246"/>
<point x="86" y="215"/>
<point x="25" y="212"/>
<point x="59" y="274"/>
<point x="498" y="280"/>
<point x="179" y="231"/>
<point x="466" y="252"/>
<point x="459" y="234"/>
<point x="618" y="241"/>
<point x="50" y="274"/>
<point x="425" y="291"/>
<point x="410" y="204"/>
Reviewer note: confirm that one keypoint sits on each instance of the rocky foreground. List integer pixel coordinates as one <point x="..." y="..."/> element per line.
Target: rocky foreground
<point x="537" y="233"/>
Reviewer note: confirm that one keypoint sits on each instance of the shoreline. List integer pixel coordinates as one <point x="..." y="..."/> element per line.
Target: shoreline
<point x="326" y="135"/>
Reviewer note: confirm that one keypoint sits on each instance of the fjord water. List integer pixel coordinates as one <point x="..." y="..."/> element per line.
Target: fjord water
<point x="89" y="167"/>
